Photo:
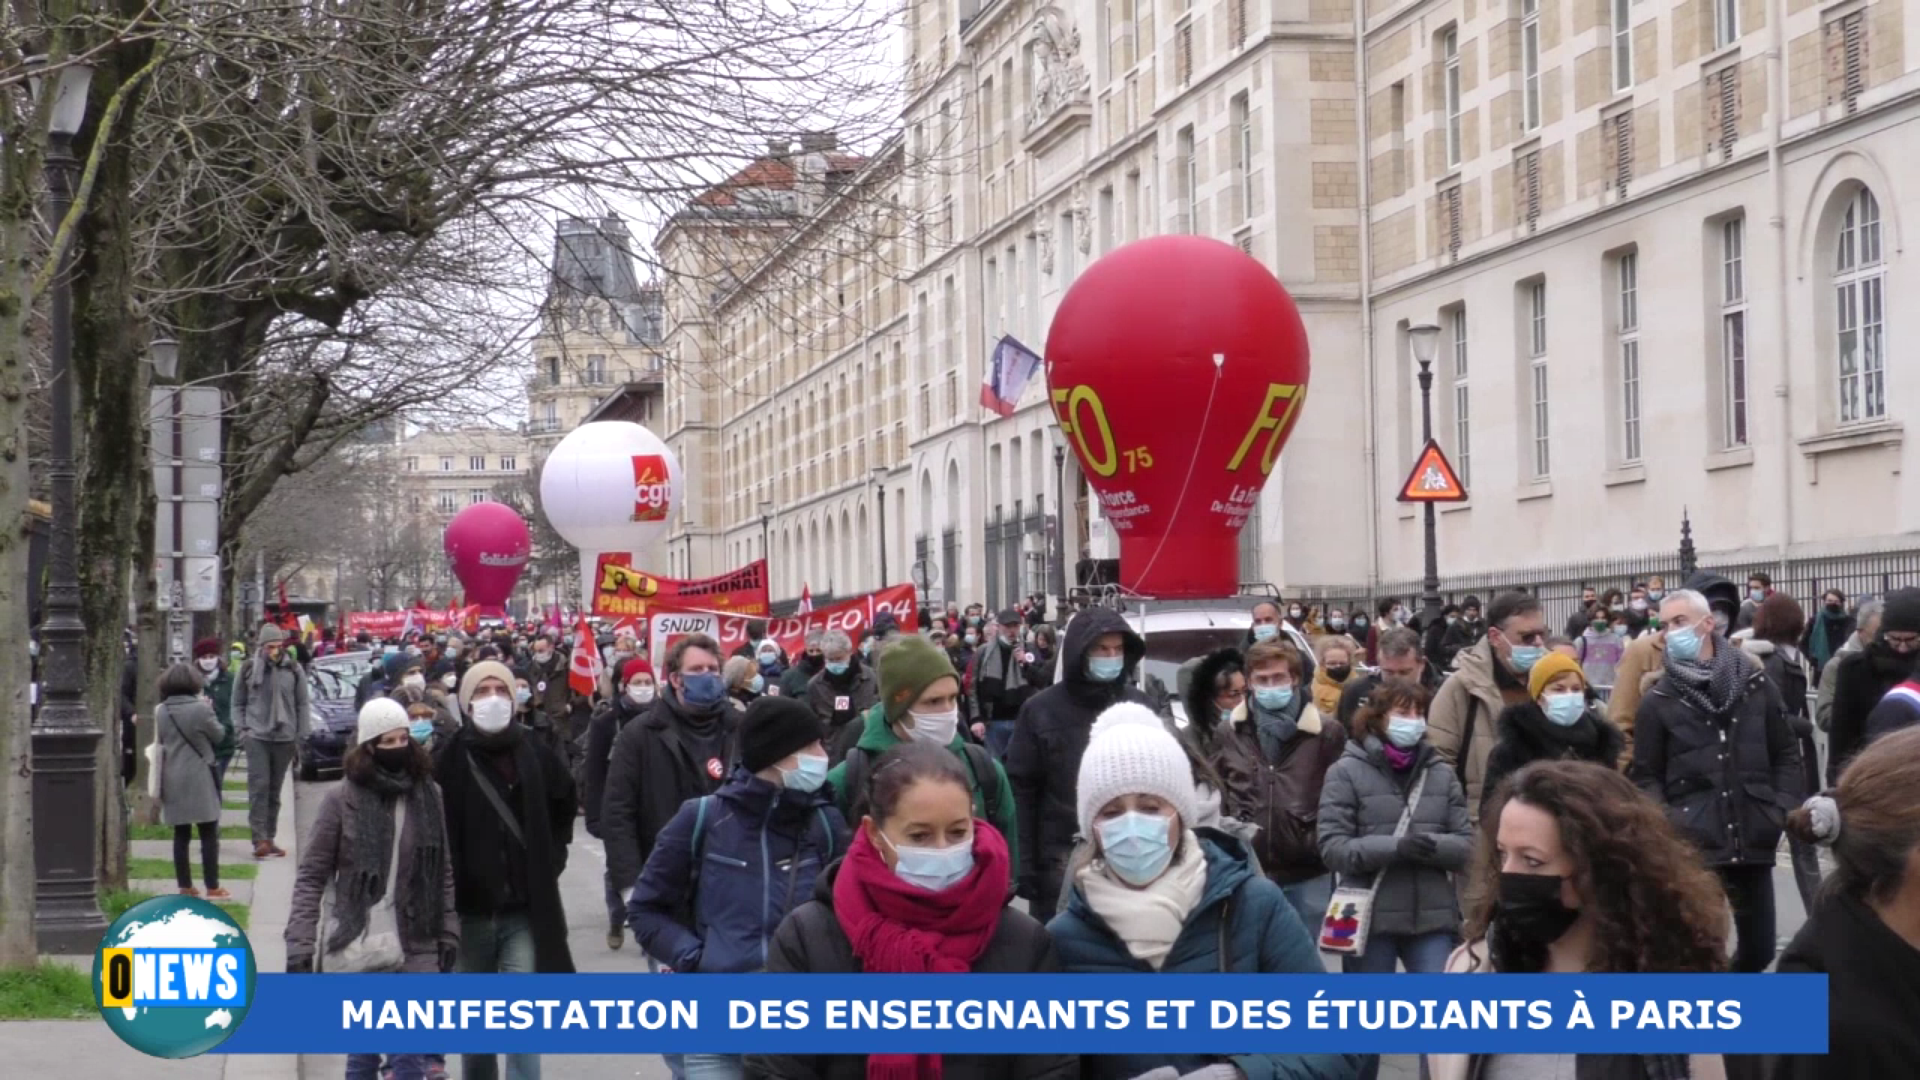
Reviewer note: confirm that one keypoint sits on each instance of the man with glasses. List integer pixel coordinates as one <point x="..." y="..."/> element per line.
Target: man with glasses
<point x="1861" y="679"/>
<point x="1464" y="720"/>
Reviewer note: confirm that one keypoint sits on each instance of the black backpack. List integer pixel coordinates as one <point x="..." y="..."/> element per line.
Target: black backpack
<point x="986" y="779"/>
<point x="1791" y="679"/>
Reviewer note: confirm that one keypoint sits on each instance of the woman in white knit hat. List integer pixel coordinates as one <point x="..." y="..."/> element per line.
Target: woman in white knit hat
<point x="1154" y="895"/>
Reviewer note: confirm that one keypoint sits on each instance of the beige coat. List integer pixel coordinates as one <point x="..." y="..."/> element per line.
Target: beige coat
<point x="1471" y="680"/>
<point x="1471" y="959"/>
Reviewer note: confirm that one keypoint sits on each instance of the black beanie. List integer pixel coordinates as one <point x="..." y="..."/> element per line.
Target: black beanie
<point x="1902" y="613"/>
<point x="773" y="728"/>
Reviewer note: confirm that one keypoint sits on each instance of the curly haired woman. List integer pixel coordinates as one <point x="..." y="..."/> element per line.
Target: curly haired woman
<point x="1582" y="873"/>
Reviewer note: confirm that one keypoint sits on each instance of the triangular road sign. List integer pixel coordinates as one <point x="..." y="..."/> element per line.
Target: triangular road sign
<point x="1432" y="479"/>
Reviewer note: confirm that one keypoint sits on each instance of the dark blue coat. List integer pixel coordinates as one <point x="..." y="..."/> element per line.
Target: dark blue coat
<point x="761" y="847"/>
<point x="1263" y="937"/>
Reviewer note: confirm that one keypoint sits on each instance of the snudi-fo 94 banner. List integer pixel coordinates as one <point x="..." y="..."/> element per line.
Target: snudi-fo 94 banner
<point x="852" y="617"/>
<point x="1037" y="1014"/>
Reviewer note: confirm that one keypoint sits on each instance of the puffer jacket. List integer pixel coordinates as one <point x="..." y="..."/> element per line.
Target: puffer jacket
<point x="1280" y="796"/>
<point x="1049" y="738"/>
<point x="1359" y="809"/>
<point x="812" y="942"/>
<point x="1860" y="680"/>
<point x="1239" y="910"/>
<point x="1727" y="782"/>
<point x="760" y="849"/>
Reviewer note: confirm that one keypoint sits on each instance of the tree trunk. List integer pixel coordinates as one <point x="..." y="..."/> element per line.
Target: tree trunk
<point x="17" y="945"/>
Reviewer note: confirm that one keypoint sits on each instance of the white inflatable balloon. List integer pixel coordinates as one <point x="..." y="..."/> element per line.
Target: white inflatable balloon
<point x="610" y="486"/>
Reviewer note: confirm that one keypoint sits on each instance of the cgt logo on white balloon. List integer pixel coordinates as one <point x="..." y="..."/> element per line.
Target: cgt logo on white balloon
<point x="652" y="488"/>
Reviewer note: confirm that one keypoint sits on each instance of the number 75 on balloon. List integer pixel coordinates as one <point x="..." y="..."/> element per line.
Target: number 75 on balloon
<point x="1078" y="409"/>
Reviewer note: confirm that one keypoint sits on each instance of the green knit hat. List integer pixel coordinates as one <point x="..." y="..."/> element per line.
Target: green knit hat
<point x="908" y="665"/>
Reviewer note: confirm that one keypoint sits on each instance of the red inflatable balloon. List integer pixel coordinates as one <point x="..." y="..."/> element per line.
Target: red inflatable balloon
<point x="1177" y="367"/>
<point x="488" y="544"/>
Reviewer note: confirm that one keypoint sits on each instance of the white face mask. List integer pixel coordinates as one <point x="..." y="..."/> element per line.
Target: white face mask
<point x="449" y="681"/>
<point x="936" y="728"/>
<point x="492" y="714"/>
<point x="641" y="693"/>
<point x="209" y="664"/>
<point x="417" y="681"/>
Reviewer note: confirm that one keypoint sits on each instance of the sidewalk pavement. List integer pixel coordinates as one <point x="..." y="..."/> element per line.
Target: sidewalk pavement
<point x="59" y="1047"/>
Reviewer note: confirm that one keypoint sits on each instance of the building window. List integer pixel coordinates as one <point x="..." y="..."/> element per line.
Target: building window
<point x="477" y="463"/>
<point x="1622" y="16"/>
<point x="1183" y="52"/>
<point x="1846" y="48"/>
<point x="413" y="464"/>
<point x="1450" y="55"/>
<point x="553" y="371"/>
<point x="596" y="370"/>
<point x="1629" y="345"/>
<point x="1242" y="121"/>
<point x="1527" y="179"/>
<point x="1723" y="110"/>
<point x="476" y="496"/>
<point x="1236" y="22"/>
<point x="1616" y="132"/>
<point x="1530" y="64"/>
<point x="1451" y="209"/>
<point x="1726" y="22"/>
<point x="1462" y="414"/>
<point x="446" y="464"/>
<point x="506" y="463"/>
<point x="1733" y="328"/>
<point x="551" y="421"/>
<point x="413" y="504"/>
<point x="446" y="502"/>
<point x="1188" y="180"/>
<point x="1858" y="283"/>
<point x="1537" y="372"/>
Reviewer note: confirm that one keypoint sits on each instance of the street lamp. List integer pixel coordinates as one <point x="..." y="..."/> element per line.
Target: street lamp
<point x="1059" y="537"/>
<point x="879" y="475"/>
<point x="65" y="738"/>
<point x="1424" y="339"/>
<point x="766" y="531"/>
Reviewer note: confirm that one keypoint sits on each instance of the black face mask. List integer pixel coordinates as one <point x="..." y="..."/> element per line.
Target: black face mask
<point x="1339" y="672"/>
<point x="1836" y="609"/>
<point x="1530" y="916"/>
<point x="392" y="758"/>
<point x="1889" y="662"/>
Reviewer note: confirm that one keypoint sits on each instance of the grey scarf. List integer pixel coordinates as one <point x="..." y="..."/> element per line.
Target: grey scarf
<point x="1276" y="729"/>
<point x="1713" y="688"/>
<point x="370" y="799"/>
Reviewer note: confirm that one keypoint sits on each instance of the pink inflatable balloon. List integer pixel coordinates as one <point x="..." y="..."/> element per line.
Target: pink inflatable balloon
<point x="488" y="544"/>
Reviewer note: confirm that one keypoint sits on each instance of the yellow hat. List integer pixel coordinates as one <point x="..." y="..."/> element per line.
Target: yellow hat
<point x="1549" y="666"/>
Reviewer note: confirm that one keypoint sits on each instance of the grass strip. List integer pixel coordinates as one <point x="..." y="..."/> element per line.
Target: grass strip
<point x="46" y="992"/>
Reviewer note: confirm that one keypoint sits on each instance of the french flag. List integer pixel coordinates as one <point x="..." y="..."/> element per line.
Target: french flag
<point x="806" y="600"/>
<point x="1009" y="370"/>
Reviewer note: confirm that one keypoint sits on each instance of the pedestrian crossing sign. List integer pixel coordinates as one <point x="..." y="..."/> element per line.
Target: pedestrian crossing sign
<point x="1432" y="479"/>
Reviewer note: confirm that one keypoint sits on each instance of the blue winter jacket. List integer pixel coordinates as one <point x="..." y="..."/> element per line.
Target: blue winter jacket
<point x="760" y="849"/>
<point x="1264" y="937"/>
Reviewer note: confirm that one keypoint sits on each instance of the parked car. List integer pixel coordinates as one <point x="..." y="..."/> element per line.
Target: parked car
<point x="1178" y="634"/>
<point x="333" y="680"/>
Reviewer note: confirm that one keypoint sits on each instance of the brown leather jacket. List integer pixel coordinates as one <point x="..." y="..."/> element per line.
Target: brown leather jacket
<point x="1282" y="798"/>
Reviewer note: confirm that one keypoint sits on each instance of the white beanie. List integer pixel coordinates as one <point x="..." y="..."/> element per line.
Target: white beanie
<point x="1131" y="752"/>
<point x="379" y="716"/>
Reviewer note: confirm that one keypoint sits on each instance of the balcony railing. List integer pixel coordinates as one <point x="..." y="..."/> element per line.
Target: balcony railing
<point x="603" y="377"/>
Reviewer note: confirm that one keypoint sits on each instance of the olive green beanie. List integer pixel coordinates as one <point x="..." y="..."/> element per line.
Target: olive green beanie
<point x="908" y="665"/>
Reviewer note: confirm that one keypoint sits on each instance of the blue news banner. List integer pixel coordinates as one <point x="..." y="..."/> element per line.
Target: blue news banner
<point x="1035" y="1014"/>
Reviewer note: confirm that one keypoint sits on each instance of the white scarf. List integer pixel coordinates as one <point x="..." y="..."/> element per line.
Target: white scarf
<point x="1149" y="920"/>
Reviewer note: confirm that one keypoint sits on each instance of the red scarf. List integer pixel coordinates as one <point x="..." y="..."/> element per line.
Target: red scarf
<point x="901" y="929"/>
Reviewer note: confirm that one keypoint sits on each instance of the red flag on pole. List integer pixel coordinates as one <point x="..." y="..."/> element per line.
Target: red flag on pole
<point x="583" y="674"/>
<point x="806" y="600"/>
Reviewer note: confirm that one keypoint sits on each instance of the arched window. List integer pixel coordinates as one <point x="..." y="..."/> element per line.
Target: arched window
<point x="1859" y="280"/>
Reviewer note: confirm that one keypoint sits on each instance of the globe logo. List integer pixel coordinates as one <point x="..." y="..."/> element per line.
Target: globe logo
<point x="174" y="977"/>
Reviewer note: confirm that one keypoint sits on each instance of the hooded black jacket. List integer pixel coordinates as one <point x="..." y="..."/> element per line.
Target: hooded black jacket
<point x="1873" y="994"/>
<point x="1859" y="682"/>
<point x="1527" y="736"/>
<point x="610" y="718"/>
<point x="660" y="760"/>
<point x="1049" y="737"/>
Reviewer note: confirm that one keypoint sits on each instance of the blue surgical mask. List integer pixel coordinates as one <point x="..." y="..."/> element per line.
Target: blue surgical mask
<point x="1525" y="656"/>
<point x="836" y="668"/>
<point x="702" y="690"/>
<point x="807" y="776"/>
<point x="1135" y="846"/>
<point x="522" y="695"/>
<point x="758" y="684"/>
<point x="1684" y="644"/>
<point x="1336" y="624"/>
<point x="1756" y="595"/>
<point x="1105" y="668"/>
<point x="932" y="869"/>
<point x="1566" y="708"/>
<point x="1406" y="732"/>
<point x="1265" y="632"/>
<point x="421" y="730"/>
<point x="1273" y="698"/>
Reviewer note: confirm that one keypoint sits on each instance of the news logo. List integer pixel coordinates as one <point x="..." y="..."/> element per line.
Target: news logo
<point x="174" y="976"/>
<point x="652" y="487"/>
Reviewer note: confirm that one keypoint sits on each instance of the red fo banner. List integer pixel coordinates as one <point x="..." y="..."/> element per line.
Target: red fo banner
<point x="621" y="591"/>
<point x="851" y="617"/>
<point x="393" y="624"/>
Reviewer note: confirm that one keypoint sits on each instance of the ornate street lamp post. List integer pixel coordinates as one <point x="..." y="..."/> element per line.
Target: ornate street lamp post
<point x="1424" y="338"/>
